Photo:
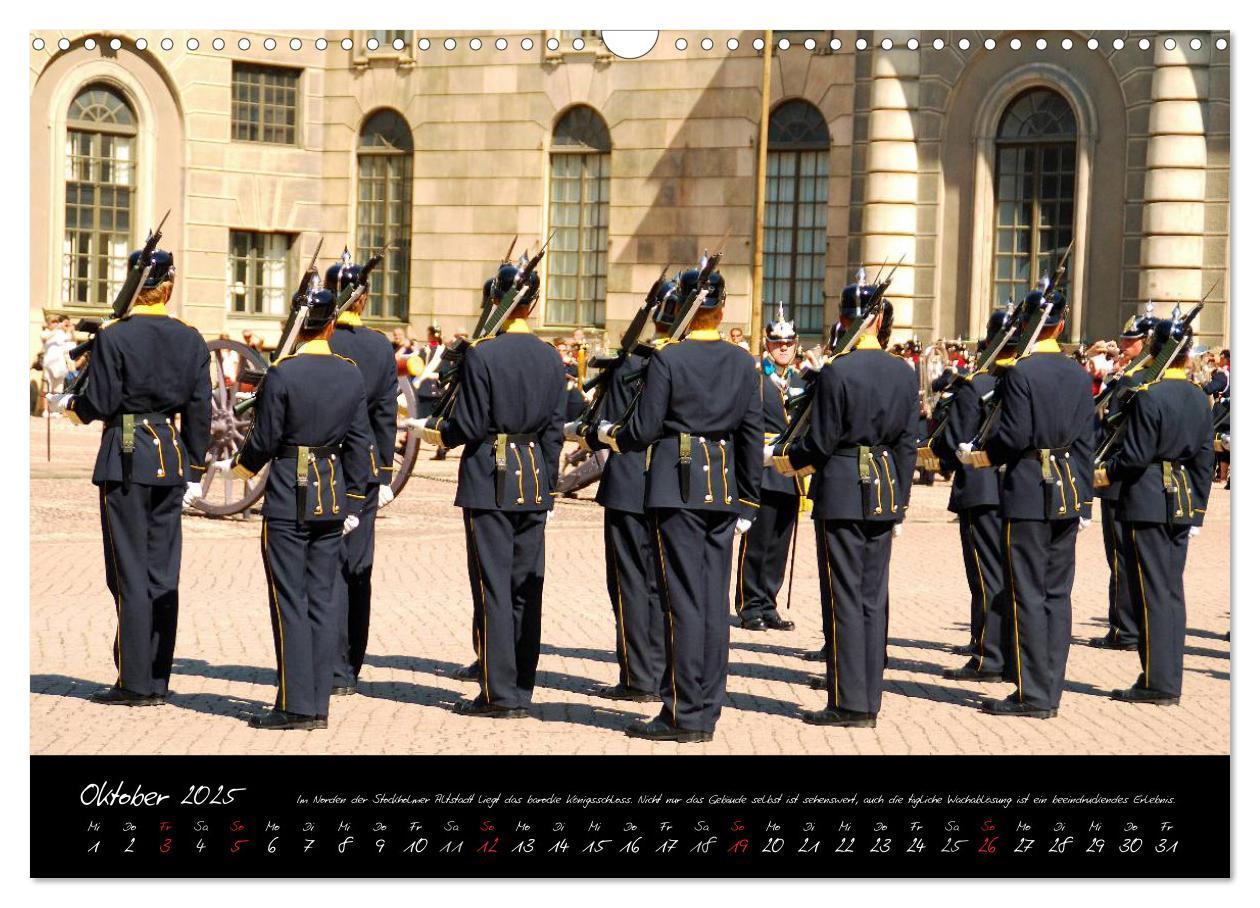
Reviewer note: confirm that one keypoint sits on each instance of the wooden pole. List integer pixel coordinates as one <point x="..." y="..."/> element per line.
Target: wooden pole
<point x="759" y="215"/>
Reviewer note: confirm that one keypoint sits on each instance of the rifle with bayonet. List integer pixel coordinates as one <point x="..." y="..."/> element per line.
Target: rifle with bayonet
<point x="1033" y="316"/>
<point x="1115" y="421"/>
<point x="493" y="319"/>
<point x="123" y="301"/>
<point x="353" y="292"/>
<point x="686" y="313"/>
<point x="299" y="306"/>
<point x="609" y="364"/>
<point x="801" y="409"/>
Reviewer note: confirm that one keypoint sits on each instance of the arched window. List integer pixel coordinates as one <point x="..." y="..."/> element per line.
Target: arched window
<point x="100" y="174"/>
<point x="384" y="213"/>
<point x="577" y="260"/>
<point x="795" y="254"/>
<point x="1035" y="184"/>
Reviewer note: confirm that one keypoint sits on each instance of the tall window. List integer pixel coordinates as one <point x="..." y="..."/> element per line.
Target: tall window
<point x="258" y="270"/>
<point x="384" y="212"/>
<point x="264" y="103"/>
<point x="577" y="260"/>
<point x="100" y="194"/>
<point x="795" y="256"/>
<point x="1035" y="185"/>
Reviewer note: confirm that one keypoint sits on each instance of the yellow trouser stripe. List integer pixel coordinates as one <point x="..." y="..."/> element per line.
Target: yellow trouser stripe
<point x="275" y="604"/>
<point x="1146" y="615"/>
<point x="113" y="554"/>
<point x="1010" y="568"/>
<point x="669" y="610"/>
<point x="984" y="593"/>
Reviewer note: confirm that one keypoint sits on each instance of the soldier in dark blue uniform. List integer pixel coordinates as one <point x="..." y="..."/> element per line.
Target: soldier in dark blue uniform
<point x="1122" y="626"/>
<point x="974" y="497"/>
<point x="629" y="546"/>
<point x="509" y="414"/>
<point x="147" y="369"/>
<point x="764" y="549"/>
<point x="700" y="414"/>
<point x="311" y="424"/>
<point x="1163" y="467"/>
<point x="1044" y="437"/>
<point x="860" y="447"/>
<point x="372" y="352"/>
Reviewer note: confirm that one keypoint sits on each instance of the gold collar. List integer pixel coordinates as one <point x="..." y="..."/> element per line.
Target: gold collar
<point x="704" y="334"/>
<point x="517" y="326"/>
<point x="319" y="347"/>
<point x="150" y="309"/>
<point x="353" y="319"/>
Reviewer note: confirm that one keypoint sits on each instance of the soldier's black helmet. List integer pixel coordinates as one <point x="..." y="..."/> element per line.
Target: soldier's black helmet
<point x="999" y="320"/>
<point x="668" y="300"/>
<point x="886" y="322"/>
<point x="342" y="274"/>
<point x="854" y="299"/>
<point x="1140" y="326"/>
<point x="1058" y="306"/>
<point x="715" y="296"/>
<point x="323" y="307"/>
<point x="163" y="267"/>
<point x="1170" y="331"/>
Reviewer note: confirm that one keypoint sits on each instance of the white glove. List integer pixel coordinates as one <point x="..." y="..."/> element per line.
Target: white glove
<point x="223" y="466"/>
<point x="58" y="403"/>
<point x="767" y="455"/>
<point x="1225" y="440"/>
<point x="571" y="429"/>
<point x="192" y="491"/>
<point x="1194" y="531"/>
<point x="965" y="448"/>
<point x="1086" y="523"/>
<point x="352" y="521"/>
<point x="550" y="514"/>
<point x="742" y="525"/>
<point x="896" y="530"/>
<point x="605" y="434"/>
<point x="385" y="495"/>
<point x="414" y="425"/>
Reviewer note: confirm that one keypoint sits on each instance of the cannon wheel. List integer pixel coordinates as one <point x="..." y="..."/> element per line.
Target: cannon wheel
<point x="407" y="444"/>
<point x="224" y="494"/>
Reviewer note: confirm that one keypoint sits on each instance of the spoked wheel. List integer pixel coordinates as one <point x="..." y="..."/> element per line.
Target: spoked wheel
<point x="223" y="493"/>
<point x="407" y="442"/>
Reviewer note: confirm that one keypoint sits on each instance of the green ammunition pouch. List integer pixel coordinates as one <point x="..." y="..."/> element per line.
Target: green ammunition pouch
<point x="510" y="455"/>
<point x="316" y="465"/>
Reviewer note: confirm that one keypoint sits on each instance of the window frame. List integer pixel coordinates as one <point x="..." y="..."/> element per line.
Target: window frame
<point x="298" y="101"/>
<point x="1033" y="147"/>
<point x="798" y="149"/>
<point x="601" y="155"/>
<point x="66" y="280"/>
<point x="291" y="263"/>
<point x="407" y="156"/>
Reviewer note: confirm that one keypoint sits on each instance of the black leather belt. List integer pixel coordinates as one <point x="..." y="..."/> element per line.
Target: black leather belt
<point x="317" y="450"/>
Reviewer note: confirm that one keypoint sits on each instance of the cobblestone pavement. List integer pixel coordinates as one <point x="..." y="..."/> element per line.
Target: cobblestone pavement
<point x="420" y="634"/>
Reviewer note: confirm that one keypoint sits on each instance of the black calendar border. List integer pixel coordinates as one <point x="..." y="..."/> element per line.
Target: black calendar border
<point x="1190" y="792"/>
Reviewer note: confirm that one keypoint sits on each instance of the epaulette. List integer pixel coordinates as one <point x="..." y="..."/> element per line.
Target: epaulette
<point x="282" y="359"/>
<point x="665" y="342"/>
<point x="346" y="358"/>
<point x="480" y="340"/>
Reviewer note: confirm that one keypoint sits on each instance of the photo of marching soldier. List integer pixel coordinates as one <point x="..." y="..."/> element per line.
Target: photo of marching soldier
<point x="671" y="458"/>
